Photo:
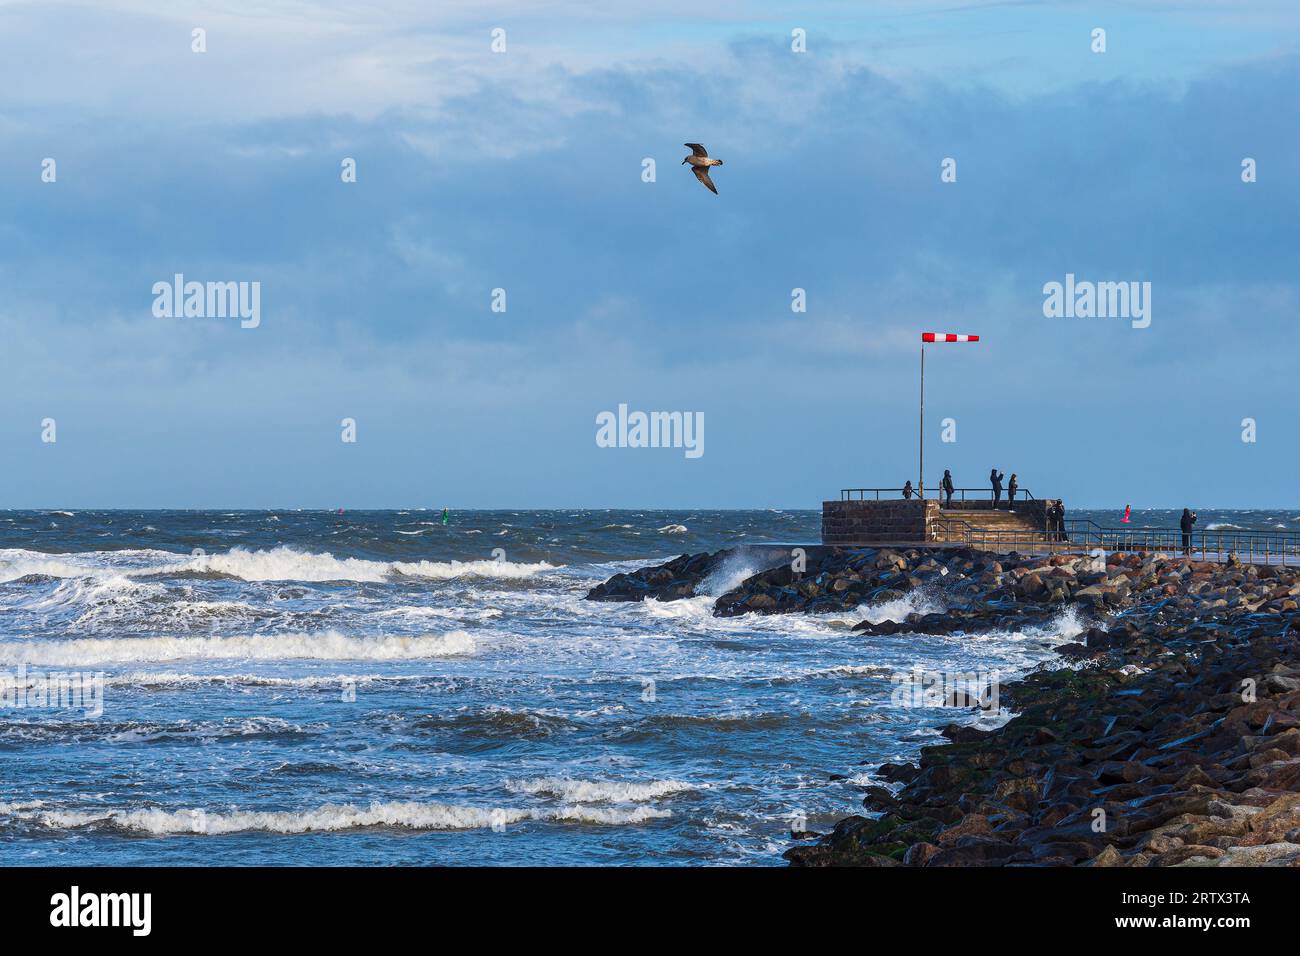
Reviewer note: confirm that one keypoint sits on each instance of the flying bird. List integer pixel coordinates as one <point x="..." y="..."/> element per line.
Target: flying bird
<point x="700" y="163"/>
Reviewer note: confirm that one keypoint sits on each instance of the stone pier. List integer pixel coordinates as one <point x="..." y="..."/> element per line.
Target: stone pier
<point x="915" y="521"/>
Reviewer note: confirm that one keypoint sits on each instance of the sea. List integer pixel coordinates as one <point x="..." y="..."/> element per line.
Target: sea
<point x="383" y="688"/>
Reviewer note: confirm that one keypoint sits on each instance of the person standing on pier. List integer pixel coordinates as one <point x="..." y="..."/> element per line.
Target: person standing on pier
<point x="1187" y="521"/>
<point x="1011" y="492"/>
<point x="996" y="481"/>
<point x="1056" y="517"/>
<point x="907" y="490"/>
<point x="946" y="486"/>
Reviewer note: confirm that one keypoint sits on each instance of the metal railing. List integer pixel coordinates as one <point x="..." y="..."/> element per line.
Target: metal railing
<point x="1219" y="544"/>
<point x="952" y="530"/>
<point x="976" y="494"/>
<point x="1248" y="546"/>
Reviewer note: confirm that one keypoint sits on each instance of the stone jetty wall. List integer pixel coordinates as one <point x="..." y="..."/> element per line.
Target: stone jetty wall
<point x="914" y="521"/>
<point x="848" y="522"/>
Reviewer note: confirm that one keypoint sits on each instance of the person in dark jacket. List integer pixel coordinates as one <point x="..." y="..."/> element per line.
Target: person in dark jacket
<point x="907" y="489"/>
<point x="1011" y="492"/>
<point x="995" y="480"/>
<point x="1054" y="517"/>
<point x="946" y="485"/>
<point x="1187" y="521"/>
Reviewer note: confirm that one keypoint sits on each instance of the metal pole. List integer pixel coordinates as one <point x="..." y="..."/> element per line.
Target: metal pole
<point x="921" y="435"/>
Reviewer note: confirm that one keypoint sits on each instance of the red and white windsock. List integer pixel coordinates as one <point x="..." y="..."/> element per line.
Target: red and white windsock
<point x="947" y="337"/>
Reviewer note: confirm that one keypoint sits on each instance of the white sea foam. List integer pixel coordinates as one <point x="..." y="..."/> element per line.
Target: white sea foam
<point x="99" y="595"/>
<point x="448" y="613"/>
<point x="17" y="563"/>
<point x="330" y="817"/>
<point x="864" y="778"/>
<point x="1070" y="624"/>
<point x="210" y="730"/>
<point x="326" y="645"/>
<point x="446" y="570"/>
<point x="840" y="670"/>
<point x="274" y="564"/>
<point x="736" y="567"/>
<point x="1223" y="526"/>
<point x="180" y="679"/>
<point x="283" y="564"/>
<point x="920" y="602"/>
<point x="600" y="791"/>
<point x="673" y="529"/>
<point x="697" y="609"/>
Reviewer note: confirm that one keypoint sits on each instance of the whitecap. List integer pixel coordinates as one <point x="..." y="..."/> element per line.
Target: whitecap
<point x="327" y="645"/>
<point x="330" y="817"/>
<point x="446" y="570"/>
<point x="600" y="791"/>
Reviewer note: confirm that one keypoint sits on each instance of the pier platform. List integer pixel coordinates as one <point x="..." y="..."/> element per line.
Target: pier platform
<point x="882" y="517"/>
<point x="869" y="521"/>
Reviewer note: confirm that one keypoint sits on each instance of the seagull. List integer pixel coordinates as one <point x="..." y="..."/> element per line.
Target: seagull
<point x="700" y="163"/>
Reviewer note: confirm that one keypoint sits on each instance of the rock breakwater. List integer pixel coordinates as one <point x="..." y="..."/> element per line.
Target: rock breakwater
<point x="1169" y="737"/>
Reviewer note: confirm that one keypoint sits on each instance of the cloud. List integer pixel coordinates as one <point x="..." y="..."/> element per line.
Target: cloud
<point x="524" y="172"/>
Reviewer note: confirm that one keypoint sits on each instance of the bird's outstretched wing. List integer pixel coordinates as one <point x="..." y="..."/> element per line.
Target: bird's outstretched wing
<point x="702" y="174"/>
<point x="697" y="149"/>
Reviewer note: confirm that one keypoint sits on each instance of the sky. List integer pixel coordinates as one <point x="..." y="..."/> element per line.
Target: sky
<point x="523" y="170"/>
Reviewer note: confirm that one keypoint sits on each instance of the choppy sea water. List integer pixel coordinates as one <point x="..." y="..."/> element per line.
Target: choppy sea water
<point x="378" y="688"/>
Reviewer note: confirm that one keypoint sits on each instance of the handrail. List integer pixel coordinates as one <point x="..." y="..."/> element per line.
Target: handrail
<point x="1246" y="545"/>
<point x="978" y="493"/>
<point x="948" y="523"/>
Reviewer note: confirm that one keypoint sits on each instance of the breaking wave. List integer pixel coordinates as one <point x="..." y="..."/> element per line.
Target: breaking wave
<point x="920" y="602"/>
<point x="326" y="646"/>
<point x="598" y="791"/>
<point x="274" y="564"/>
<point x="174" y="679"/>
<point x="287" y="564"/>
<point x="328" y="818"/>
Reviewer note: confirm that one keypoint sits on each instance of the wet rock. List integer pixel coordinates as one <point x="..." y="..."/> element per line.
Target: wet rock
<point x="1152" y="729"/>
<point x="963" y="733"/>
<point x="1108" y="857"/>
<point x="918" y="854"/>
<point x="666" y="582"/>
<point x="897" y="773"/>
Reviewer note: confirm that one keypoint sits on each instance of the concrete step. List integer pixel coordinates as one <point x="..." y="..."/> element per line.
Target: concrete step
<point x="993" y="520"/>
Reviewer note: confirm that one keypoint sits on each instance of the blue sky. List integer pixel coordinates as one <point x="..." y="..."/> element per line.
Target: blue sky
<point x="522" y="170"/>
